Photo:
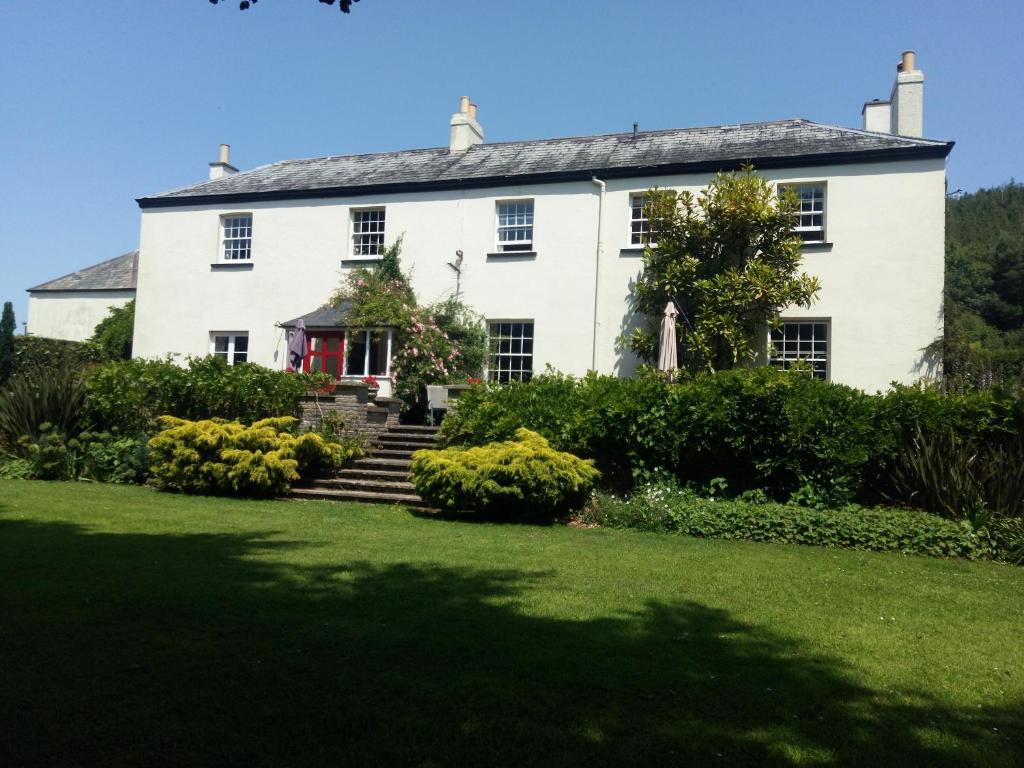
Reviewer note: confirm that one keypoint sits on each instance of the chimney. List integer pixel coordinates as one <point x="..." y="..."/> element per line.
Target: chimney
<point x="466" y="131"/>
<point x="223" y="167"/>
<point x="906" y="116"/>
<point x="876" y="116"/>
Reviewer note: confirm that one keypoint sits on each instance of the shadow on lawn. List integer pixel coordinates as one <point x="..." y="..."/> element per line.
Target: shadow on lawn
<point x="135" y="650"/>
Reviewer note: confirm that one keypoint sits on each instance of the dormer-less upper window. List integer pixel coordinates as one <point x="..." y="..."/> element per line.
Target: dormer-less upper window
<point x="640" y="232"/>
<point x="515" y="226"/>
<point x="367" y="231"/>
<point x="236" y="231"/>
<point x="810" y="218"/>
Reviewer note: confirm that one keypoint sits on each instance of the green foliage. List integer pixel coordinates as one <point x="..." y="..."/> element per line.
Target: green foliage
<point x="523" y="477"/>
<point x="39" y="396"/>
<point x="98" y="456"/>
<point x="129" y="395"/>
<point x="437" y="344"/>
<point x="41" y="352"/>
<point x="729" y="258"/>
<point x="7" y="326"/>
<point x="983" y="343"/>
<point x="669" y="508"/>
<point x="790" y="436"/>
<point x="217" y="456"/>
<point x="961" y="479"/>
<point x="378" y="296"/>
<point x="112" y="337"/>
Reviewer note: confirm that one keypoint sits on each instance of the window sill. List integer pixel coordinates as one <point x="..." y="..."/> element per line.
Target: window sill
<point x="355" y="261"/>
<point x="230" y="266"/>
<point x="816" y="247"/>
<point x="512" y="256"/>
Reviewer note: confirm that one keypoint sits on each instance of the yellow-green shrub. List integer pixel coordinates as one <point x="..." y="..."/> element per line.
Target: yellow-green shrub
<point x="220" y="456"/>
<point x="524" y="477"/>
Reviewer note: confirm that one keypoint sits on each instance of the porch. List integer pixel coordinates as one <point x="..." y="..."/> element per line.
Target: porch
<point x="349" y="354"/>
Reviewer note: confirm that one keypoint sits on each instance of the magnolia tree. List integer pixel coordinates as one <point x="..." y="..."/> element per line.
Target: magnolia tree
<point x="729" y="260"/>
<point x="441" y="343"/>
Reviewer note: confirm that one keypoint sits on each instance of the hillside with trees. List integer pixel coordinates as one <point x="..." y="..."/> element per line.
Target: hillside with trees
<point x="983" y="343"/>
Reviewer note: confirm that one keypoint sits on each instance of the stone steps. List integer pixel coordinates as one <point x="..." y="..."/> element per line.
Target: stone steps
<point x="382" y="476"/>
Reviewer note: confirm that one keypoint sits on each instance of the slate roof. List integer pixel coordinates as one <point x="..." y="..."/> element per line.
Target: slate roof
<point x="783" y="143"/>
<point x="117" y="274"/>
<point x="322" y="318"/>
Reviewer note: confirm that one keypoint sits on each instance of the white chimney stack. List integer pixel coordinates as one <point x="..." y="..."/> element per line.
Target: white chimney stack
<point x="907" y="116"/>
<point x="466" y="131"/>
<point x="903" y="114"/>
<point x="223" y="166"/>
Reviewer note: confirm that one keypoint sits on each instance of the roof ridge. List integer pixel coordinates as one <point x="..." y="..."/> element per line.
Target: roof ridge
<point x="627" y="134"/>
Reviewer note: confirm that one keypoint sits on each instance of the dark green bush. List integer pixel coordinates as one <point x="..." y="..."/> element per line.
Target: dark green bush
<point x="670" y="509"/>
<point x="41" y="352"/>
<point x="523" y="477"/>
<point x="794" y="437"/>
<point x="131" y="394"/>
<point x="959" y="478"/>
<point x="112" y="337"/>
<point x="102" y="457"/>
<point x="37" y="396"/>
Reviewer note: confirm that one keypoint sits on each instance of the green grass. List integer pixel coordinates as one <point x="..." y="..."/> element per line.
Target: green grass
<point x="147" y="629"/>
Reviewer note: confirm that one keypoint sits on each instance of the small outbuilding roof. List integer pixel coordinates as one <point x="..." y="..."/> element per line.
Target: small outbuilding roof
<point x="782" y="143"/>
<point x="117" y="274"/>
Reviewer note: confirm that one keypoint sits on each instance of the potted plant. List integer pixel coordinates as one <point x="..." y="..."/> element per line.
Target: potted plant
<point x="372" y="385"/>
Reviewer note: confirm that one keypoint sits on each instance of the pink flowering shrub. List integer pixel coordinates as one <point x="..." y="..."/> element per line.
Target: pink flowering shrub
<point x="438" y="344"/>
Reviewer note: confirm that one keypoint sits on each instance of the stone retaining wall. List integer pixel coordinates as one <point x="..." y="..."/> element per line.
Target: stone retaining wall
<point x="359" y="414"/>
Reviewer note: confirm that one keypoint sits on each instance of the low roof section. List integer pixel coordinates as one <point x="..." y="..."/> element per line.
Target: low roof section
<point x="117" y="274"/>
<point x="326" y="318"/>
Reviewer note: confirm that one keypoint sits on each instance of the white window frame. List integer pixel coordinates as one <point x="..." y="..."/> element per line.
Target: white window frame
<point x="783" y="361"/>
<point x="349" y="332"/>
<point x="494" y="367"/>
<point x="810" y="233"/>
<point x="635" y="239"/>
<point x="230" y="356"/>
<point x="529" y="222"/>
<point x="367" y="250"/>
<point x="231" y="242"/>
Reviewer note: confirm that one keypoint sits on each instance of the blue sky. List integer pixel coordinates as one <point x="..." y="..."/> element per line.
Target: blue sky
<point x="105" y="101"/>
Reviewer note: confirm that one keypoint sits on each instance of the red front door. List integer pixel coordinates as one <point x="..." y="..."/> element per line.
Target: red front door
<point x="326" y="354"/>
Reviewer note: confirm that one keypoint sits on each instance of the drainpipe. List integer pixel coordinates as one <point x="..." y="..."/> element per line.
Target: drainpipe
<point x="597" y="264"/>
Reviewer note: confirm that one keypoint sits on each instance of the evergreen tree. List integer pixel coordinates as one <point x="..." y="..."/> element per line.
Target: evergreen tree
<point x="729" y="260"/>
<point x="7" y="326"/>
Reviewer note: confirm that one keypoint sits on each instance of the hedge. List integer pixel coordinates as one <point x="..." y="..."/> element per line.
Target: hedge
<point x="791" y="435"/>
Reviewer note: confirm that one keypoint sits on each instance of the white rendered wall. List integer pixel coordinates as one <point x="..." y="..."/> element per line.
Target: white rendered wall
<point x="882" y="277"/>
<point x="71" y="315"/>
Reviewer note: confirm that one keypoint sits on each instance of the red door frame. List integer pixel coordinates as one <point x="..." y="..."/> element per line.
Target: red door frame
<point x="324" y="354"/>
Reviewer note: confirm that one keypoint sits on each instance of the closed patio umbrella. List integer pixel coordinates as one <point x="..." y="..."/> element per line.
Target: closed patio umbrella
<point x="298" y="347"/>
<point x="667" y="360"/>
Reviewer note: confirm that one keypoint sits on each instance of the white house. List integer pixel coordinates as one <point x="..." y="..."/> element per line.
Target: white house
<point x="70" y="307"/>
<point x="547" y="237"/>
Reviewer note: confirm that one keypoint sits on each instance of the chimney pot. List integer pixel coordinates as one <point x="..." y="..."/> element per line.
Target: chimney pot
<point x="223" y="166"/>
<point x="465" y="130"/>
<point x="906" y="62"/>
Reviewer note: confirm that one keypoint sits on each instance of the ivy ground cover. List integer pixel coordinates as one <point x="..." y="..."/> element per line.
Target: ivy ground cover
<point x="154" y="629"/>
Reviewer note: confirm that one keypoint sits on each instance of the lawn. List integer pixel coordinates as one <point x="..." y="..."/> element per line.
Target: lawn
<point x="147" y="629"/>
